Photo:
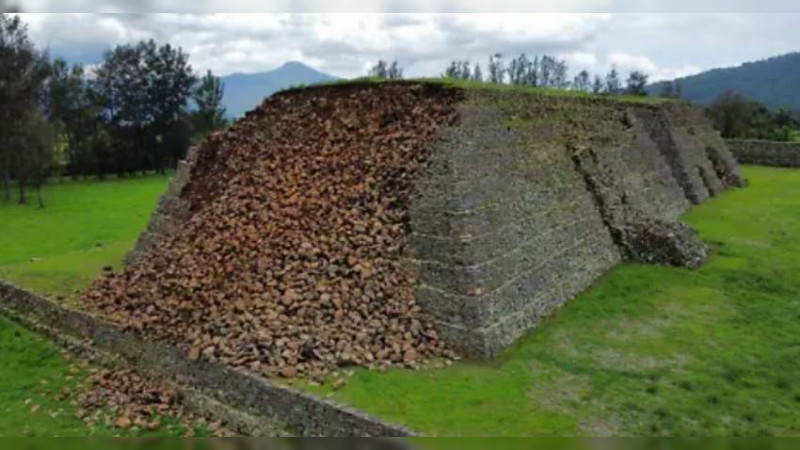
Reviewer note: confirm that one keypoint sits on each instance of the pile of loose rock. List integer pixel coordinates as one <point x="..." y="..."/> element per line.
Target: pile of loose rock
<point x="124" y="399"/>
<point x="290" y="262"/>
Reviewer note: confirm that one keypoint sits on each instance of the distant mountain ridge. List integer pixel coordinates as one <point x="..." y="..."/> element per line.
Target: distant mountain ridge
<point x="244" y="92"/>
<point x="775" y="82"/>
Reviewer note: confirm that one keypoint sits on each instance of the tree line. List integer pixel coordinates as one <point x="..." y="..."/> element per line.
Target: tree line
<point x="545" y="72"/>
<point x="139" y="110"/>
<point x="737" y="117"/>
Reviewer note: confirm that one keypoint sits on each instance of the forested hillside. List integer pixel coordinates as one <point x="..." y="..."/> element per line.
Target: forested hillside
<point x="774" y="82"/>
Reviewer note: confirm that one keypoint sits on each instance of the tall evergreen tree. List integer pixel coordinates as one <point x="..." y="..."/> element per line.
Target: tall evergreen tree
<point x="497" y="71"/>
<point x="598" y="85"/>
<point x="518" y="70"/>
<point x="71" y="109"/>
<point x="477" y="74"/>
<point x="582" y="82"/>
<point x="379" y="70"/>
<point x="35" y="139"/>
<point x="22" y="74"/>
<point x="395" y="71"/>
<point x="208" y="95"/>
<point x="613" y="83"/>
<point x="546" y="69"/>
<point x="534" y="73"/>
<point x="560" y="74"/>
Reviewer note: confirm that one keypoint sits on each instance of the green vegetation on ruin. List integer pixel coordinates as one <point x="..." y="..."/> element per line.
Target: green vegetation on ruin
<point x="648" y="351"/>
<point x="477" y="85"/>
<point x="86" y="226"/>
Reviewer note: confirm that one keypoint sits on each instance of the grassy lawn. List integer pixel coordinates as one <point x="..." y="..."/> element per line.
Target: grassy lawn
<point x="649" y="351"/>
<point x="86" y="226"/>
<point x="58" y="251"/>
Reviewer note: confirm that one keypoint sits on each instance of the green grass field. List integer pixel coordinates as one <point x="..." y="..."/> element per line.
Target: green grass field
<point x="648" y="351"/>
<point x="57" y="251"/>
<point x="85" y="226"/>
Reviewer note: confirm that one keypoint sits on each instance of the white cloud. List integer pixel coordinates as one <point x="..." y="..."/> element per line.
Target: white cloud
<point x="406" y="6"/>
<point x="627" y="63"/>
<point x="664" y="45"/>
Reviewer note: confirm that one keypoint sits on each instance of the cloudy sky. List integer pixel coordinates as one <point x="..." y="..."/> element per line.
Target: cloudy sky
<point x="664" y="45"/>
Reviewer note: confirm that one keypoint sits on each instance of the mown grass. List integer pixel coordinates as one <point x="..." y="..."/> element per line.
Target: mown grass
<point x="648" y="351"/>
<point x="84" y="227"/>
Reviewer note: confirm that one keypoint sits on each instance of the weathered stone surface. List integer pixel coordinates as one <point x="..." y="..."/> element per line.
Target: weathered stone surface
<point x="766" y="153"/>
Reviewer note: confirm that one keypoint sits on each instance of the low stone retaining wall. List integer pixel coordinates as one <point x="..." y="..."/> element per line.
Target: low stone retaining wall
<point x="218" y="389"/>
<point x="766" y="153"/>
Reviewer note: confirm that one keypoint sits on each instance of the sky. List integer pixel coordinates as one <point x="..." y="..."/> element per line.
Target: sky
<point x="664" y="45"/>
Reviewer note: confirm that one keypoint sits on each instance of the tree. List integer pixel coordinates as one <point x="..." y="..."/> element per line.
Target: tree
<point x="731" y="112"/>
<point x="382" y="69"/>
<point x="458" y="70"/>
<point x="35" y="141"/>
<point x="452" y="71"/>
<point x="582" y="82"/>
<point x="395" y="71"/>
<point x="22" y="73"/>
<point x="546" y="68"/>
<point x="560" y="75"/>
<point x="613" y="85"/>
<point x="169" y="86"/>
<point x="598" y="85"/>
<point x="497" y="72"/>
<point x="210" y="113"/>
<point x="121" y="84"/>
<point x="477" y="74"/>
<point x="379" y="70"/>
<point x="144" y="92"/>
<point x="519" y="70"/>
<point x="637" y="84"/>
<point x="465" y="70"/>
<point x="71" y="109"/>
<point x="534" y="73"/>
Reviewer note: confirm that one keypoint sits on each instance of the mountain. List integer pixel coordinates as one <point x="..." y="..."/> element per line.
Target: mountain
<point x="775" y="82"/>
<point x="244" y="92"/>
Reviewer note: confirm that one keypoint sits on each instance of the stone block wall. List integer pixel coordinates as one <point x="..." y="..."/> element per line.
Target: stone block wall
<point x="529" y="199"/>
<point x="766" y="153"/>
